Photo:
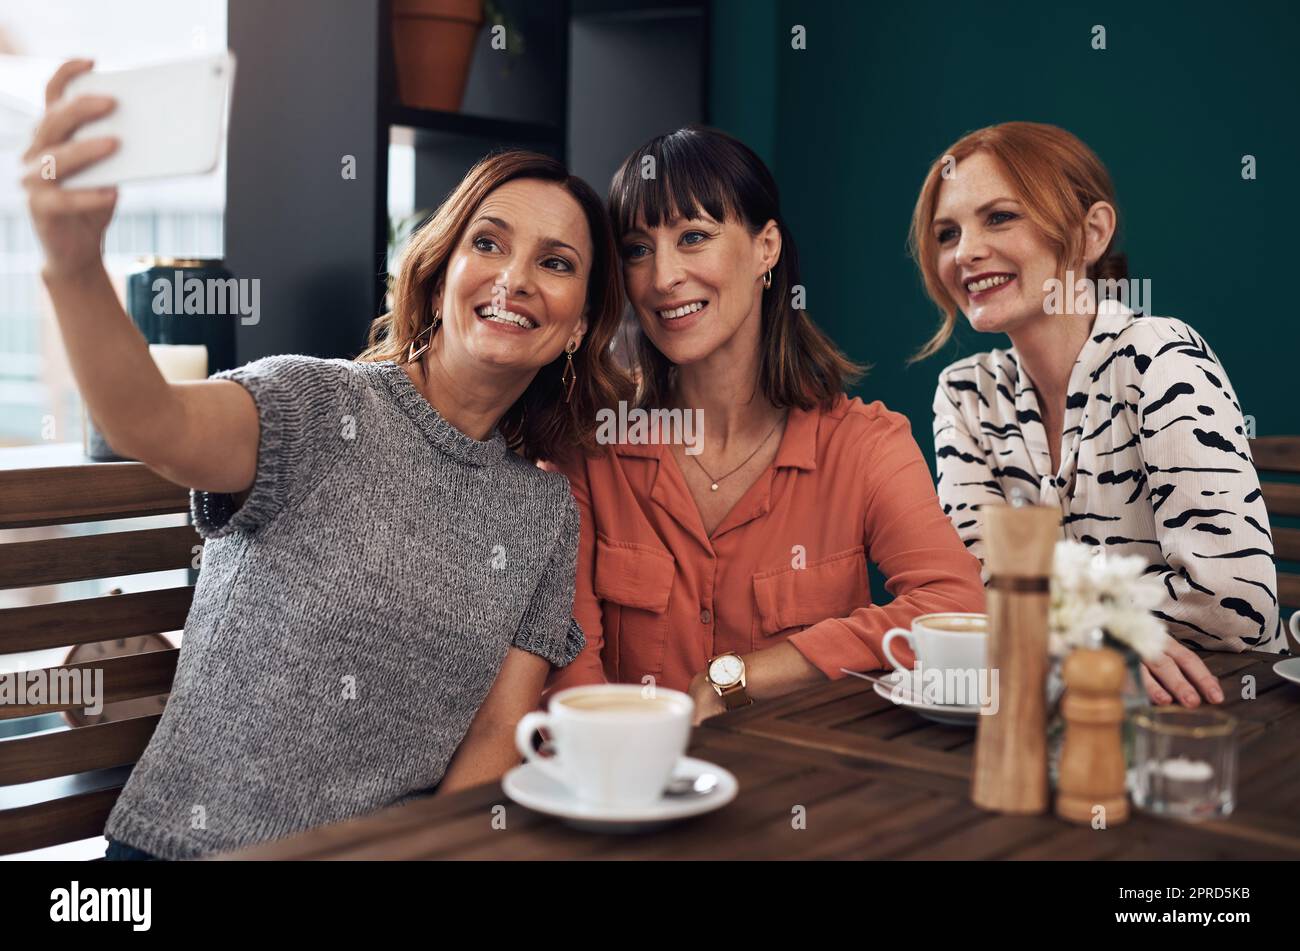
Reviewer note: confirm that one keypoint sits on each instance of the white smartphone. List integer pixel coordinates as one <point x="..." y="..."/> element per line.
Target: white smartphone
<point x="170" y="119"/>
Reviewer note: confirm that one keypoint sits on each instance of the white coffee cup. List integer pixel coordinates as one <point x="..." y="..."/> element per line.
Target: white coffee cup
<point x="946" y="641"/>
<point x="615" y="744"/>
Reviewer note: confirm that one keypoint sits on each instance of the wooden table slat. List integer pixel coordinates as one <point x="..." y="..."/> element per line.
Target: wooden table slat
<point x="875" y="781"/>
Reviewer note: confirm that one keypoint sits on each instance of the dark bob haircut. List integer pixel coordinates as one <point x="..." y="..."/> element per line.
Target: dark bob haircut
<point x="702" y="168"/>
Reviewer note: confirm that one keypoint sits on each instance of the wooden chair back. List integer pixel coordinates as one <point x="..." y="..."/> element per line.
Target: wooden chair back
<point x="69" y="758"/>
<point x="1277" y="459"/>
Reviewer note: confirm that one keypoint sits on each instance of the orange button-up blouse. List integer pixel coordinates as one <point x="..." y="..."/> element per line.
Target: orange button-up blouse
<point x="657" y="596"/>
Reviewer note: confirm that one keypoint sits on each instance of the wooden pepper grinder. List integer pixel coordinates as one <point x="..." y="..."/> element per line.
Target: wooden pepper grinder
<point x="1092" y="758"/>
<point x="1011" y="744"/>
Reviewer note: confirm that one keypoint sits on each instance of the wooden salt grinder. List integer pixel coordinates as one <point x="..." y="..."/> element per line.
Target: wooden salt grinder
<point x="1092" y="759"/>
<point x="1011" y="744"/>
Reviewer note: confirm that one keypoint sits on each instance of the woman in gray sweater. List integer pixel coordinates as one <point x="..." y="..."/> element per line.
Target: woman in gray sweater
<point x="387" y="578"/>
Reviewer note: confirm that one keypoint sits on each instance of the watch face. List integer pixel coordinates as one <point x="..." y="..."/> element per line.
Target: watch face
<point x="726" y="670"/>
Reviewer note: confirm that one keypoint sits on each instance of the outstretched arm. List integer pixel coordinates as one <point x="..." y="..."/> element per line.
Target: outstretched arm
<point x="201" y="435"/>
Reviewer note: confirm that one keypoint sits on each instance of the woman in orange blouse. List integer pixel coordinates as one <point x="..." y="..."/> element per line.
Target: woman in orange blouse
<point x="737" y="545"/>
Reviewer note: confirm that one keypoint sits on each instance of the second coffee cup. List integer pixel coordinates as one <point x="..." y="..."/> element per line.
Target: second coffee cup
<point x="948" y="642"/>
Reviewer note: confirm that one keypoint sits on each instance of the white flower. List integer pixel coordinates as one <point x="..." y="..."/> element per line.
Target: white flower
<point x="1092" y="591"/>
<point x="1070" y="562"/>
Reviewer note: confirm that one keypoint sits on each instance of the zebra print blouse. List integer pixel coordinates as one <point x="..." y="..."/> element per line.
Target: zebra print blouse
<point x="1154" y="462"/>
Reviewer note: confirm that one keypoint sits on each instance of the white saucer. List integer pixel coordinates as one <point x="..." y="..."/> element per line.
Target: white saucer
<point x="1289" y="669"/>
<point x="948" y="713"/>
<point x="529" y="786"/>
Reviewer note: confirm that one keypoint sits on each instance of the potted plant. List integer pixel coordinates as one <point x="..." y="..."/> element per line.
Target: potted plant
<point x="433" y="46"/>
<point x="433" y="43"/>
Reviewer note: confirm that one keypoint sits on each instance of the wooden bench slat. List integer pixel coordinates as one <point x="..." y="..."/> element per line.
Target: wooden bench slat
<point x="125" y="678"/>
<point x="108" y="617"/>
<point x="86" y="493"/>
<point x="1286" y="543"/>
<point x="56" y="560"/>
<point x="1288" y="590"/>
<point x="1276" y="453"/>
<point x="32" y="758"/>
<point x="56" y="821"/>
<point x="1288" y="599"/>
<point x="1281" y="498"/>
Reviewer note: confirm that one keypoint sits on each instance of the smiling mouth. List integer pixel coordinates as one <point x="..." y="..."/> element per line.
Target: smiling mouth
<point x="679" y="312"/>
<point x="500" y="315"/>
<point x="988" y="283"/>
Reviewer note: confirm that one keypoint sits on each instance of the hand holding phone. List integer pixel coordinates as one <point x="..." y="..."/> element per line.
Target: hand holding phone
<point x="103" y="128"/>
<point x="69" y="222"/>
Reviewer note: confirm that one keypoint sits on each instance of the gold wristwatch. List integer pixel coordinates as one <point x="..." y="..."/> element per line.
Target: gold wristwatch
<point x="726" y="674"/>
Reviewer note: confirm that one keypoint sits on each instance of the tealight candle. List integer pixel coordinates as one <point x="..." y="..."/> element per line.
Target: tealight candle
<point x="1185" y="762"/>
<point x="1185" y="770"/>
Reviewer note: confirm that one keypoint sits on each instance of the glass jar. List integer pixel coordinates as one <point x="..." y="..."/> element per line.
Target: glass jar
<point x="1185" y="763"/>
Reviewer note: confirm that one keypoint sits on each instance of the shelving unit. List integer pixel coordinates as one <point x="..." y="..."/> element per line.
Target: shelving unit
<point x="482" y="127"/>
<point x="562" y="98"/>
<point x="316" y="85"/>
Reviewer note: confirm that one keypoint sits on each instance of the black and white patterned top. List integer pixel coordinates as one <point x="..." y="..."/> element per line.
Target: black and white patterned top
<point x="1154" y="461"/>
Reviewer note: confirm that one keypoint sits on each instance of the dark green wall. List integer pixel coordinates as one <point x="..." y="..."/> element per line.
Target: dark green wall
<point x="1179" y="95"/>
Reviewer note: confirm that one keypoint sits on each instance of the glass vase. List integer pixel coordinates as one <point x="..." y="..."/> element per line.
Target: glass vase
<point x="1133" y="694"/>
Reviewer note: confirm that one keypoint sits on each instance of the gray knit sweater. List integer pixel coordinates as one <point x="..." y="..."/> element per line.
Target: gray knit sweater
<point x="350" y="618"/>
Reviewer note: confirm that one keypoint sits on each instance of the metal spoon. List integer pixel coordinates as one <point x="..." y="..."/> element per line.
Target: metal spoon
<point x="875" y="680"/>
<point x="700" y="785"/>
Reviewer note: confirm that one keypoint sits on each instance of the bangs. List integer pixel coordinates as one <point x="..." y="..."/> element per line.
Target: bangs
<point x="686" y="181"/>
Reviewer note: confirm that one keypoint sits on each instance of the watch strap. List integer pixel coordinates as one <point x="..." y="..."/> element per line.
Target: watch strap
<point x="735" y="696"/>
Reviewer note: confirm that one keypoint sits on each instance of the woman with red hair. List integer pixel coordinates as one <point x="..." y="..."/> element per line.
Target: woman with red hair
<point x="1125" y="421"/>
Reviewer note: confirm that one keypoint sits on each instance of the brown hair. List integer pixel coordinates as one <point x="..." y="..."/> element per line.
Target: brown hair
<point x="1055" y="176"/>
<point x="702" y="167"/>
<point x="540" y="424"/>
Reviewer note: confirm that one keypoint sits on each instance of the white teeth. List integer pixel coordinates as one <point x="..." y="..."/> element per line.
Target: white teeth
<point x="975" y="287"/>
<point x="503" y="316"/>
<point x="681" y="311"/>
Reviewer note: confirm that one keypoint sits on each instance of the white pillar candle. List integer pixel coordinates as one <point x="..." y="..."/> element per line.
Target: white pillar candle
<point x="180" y="361"/>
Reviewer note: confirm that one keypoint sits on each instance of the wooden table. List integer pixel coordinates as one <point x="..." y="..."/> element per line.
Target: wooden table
<point x="874" y="781"/>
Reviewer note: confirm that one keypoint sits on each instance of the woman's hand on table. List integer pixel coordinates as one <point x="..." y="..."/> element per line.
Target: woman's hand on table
<point x="1178" y="673"/>
<point x="707" y="702"/>
<point x="772" y="672"/>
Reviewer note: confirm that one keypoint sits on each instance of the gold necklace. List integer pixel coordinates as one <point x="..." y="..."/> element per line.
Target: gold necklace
<point x="713" y="483"/>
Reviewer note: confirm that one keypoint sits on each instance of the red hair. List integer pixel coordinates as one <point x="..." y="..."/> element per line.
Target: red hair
<point x="1054" y="175"/>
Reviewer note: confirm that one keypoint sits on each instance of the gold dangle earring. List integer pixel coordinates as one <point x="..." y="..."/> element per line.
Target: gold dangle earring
<point x="767" y="280"/>
<point x="570" y="376"/>
<point x="412" y="354"/>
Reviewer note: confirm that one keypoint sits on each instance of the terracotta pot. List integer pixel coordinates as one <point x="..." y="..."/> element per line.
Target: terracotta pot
<point x="433" y="43"/>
